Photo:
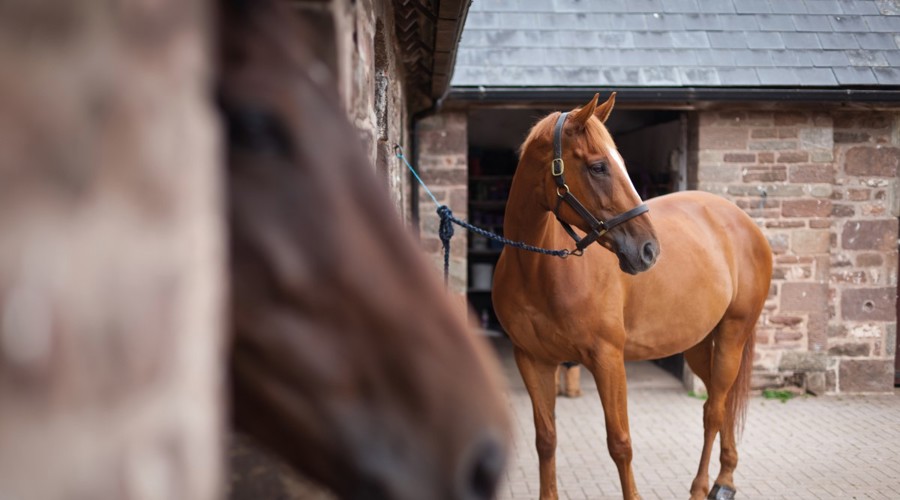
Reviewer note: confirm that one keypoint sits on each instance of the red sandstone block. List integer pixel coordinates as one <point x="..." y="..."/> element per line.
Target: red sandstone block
<point x="441" y="142"/>
<point x="806" y="208"/>
<point x="773" y="145"/>
<point x="785" y="224"/>
<point x="869" y="304"/>
<point x="866" y="375"/>
<point x="810" y="242"/>
<point x="873" y="161"/>
<point x="789" y="337"/>
<point x="723" y="138"/>
<point x="817" y="330"/>
<point x="757" y="203"/>
<point x="764" y="133"/>
<point x="850" y="137"/>
<point x="869" y="260"/>
<point x="813" y="173"/>
<point x="740" y="157"/>
<point x="765" y="174"/>
<point x="859" y="194"/>
<point x="765" y="157"/>
<point x="785" y="320"/>
<point x="452" y="177"/>
<point x="793" y="157"/>
<point x="850" y="349"/>
<point x="787" y="133"/>
<point x="804" y="297"/>
<point x="862" y="120"/>
<point x="794" y="259"/>
<point x="838" y="210"/>
<point x="870" y="235"/>
<point x="790" y="118"/>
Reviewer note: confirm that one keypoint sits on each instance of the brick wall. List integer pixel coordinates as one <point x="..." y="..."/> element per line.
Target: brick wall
<point x="443" y="150"/>
<point x="823" y="186"/>
<point x="365" y="61"/>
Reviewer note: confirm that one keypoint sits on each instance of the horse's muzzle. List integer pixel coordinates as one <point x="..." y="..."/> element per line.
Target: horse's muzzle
<point x="636" y="258"/>
<point x="649" y="253"/>
<point x="480" y="474"/>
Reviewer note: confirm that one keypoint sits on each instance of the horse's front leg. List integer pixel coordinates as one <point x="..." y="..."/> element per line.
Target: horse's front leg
<point x="608" y="368"/>
<point x="540" y="380"/>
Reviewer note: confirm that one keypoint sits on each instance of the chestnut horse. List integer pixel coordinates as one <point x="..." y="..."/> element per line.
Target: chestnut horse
<point x="348" y="359"/>
<point x="691" y="276"/>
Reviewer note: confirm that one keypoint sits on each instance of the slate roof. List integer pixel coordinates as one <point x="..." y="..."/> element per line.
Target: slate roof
<point x="680" y="43"/>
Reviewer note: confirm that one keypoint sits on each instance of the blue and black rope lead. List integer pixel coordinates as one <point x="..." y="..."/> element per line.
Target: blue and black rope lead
<point x="445" y="230"/>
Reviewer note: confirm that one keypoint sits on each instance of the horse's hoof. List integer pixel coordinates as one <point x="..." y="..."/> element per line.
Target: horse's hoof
<point x="721" y="492"/>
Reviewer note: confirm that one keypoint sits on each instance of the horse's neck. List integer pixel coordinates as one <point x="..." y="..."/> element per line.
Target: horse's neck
<point x="525" y="219"/>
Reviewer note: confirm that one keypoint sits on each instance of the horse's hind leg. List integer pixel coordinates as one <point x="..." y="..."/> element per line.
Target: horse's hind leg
<point x="717" y="361"/>
<point x="540" y="380"/>
<point x="569" y="380"/>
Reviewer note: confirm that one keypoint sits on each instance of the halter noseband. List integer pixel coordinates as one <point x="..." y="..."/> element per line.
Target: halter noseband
<point x="598" y="227"/>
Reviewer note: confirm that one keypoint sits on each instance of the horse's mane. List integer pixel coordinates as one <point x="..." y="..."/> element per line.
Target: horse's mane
<point x="542" y="129"/>
<point x="595" y="132"/>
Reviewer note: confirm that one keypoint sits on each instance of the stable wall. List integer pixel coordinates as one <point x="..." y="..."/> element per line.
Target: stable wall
<point x="112" y="253"/>
<point x="823" y="186"/>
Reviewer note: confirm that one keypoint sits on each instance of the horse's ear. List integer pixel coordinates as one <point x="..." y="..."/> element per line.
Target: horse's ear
<point x="582" y="115"/>
<point x="602" y="112"/>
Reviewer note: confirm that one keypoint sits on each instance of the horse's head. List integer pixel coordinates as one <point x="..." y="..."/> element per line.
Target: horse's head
<point x="593" y="173"/>
<point x="348" y="359"/>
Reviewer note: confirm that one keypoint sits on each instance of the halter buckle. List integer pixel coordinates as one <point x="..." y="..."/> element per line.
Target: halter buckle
<point x="557" y="167"/>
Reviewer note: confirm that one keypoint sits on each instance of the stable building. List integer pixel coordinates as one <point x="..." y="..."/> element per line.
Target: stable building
<point x="791" y="109"/>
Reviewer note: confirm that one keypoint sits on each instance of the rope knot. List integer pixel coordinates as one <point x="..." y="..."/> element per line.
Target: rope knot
<point x="445" y="232"/>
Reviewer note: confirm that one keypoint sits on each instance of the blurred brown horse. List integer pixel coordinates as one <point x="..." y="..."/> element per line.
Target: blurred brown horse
<point x="702" y="296"/>
<point x="348" y="359"/>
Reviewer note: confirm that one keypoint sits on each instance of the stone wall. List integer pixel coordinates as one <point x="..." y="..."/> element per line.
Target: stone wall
<point x="443" y="165"/>
<point x="823" y="186"/>
<point x="366" y="63"/>
<point x="111" y="253"/>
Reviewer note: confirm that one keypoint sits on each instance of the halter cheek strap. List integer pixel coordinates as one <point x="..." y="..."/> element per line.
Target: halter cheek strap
<point x="598" y="227"/>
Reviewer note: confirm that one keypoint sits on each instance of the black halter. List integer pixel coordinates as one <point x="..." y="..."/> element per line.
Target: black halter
<point x="598" y="227"/>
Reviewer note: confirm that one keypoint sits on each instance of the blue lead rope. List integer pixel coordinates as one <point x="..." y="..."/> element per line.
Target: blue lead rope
<point x="445" y="230"/>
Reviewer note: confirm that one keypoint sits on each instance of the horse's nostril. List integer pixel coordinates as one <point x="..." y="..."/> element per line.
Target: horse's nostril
<point x="482" y="473"/>
<point x="649" y="253"/>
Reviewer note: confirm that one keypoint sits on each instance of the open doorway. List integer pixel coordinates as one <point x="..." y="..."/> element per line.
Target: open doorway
<point x="652" y="142"/>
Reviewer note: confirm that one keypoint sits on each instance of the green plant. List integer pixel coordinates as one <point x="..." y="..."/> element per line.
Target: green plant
<point x="782" y="396"/>
<point x="701" y="396"/>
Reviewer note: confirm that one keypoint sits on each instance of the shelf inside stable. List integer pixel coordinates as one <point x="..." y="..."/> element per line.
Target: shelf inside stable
<point x="488" y="204"/>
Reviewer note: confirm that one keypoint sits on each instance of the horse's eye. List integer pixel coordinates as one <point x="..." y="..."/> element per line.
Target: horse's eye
<point x="599" y="168"/>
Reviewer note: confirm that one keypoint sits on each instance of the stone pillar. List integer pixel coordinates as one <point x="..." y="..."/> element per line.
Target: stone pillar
<point x="111" y="253"/>
<point x="822" y="185"/>
<point x="443" y="150"/>
<point x="862" y="335"/>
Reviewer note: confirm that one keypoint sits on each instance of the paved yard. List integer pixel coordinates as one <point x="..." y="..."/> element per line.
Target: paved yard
<point x="837" y="447"/>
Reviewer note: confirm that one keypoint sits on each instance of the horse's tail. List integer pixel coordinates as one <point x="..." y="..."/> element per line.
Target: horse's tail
<point x="740" y="391"/>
